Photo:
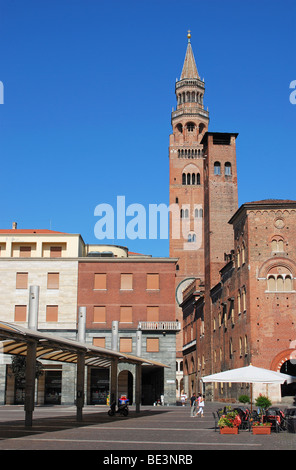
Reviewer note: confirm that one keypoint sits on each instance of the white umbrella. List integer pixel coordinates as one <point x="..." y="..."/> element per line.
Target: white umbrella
<point x="251" y="375"/>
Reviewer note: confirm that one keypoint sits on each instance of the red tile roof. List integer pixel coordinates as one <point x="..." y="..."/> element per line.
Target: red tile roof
<point x="29" y="231"/>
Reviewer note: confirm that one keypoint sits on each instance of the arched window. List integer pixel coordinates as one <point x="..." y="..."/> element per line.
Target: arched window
<point x="243" y="253"/>
<point x="246" y="344"/>
<point x="239" y="307"/>
<point x="274" y="245"/>
<point x="271" y="285"/>
<point x="200" y="213"/>
<point x="277" y="244"/>
<point x="230" y="348"/>
<point x="198" y="178"/>
<point x="190" y="126"/>
<point x="186" y="213"/>
<point x="220" y="319"/>
<point x="193" y="178"/>
<point x="280" y="282"/>
<point x="201" y="128"/>
<point x="217" y="168"/>
<point x="238" y="258"/>
<point x="232" y="313"/>
<point x="288" y="283"/>
<point x="188" y="178"/>
<point x="183" y="178"/>
<point x="244" y="299"/>
<point x="227" y="169"/>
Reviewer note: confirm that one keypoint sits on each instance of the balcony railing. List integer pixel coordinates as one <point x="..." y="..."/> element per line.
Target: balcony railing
<point x="160" y="325"/>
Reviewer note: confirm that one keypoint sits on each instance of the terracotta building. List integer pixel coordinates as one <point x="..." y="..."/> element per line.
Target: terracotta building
<point x="130" y="307"/>
<point x="203" y="183"/>
<point x="251" y="313"/>
<point x="235" y="268"/>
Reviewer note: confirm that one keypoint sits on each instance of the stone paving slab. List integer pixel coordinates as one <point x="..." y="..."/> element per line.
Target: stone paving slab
<point x="162" y="430"/>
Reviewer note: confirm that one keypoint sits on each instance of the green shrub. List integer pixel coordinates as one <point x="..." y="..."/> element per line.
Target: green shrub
<point x="244" y="399"/>
<point x="263" y="402"/>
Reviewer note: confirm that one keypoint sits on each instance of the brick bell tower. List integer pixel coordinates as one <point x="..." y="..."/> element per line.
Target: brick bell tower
<point x="189" y="125"/>
<point x="203" y="192"/>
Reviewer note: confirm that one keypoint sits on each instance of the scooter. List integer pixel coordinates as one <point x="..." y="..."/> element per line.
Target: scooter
<point x="122" y="409"/>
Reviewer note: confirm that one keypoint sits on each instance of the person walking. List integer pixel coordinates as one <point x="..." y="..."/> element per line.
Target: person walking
<point x="193" y="405"/>
<point x="201" y="405"/>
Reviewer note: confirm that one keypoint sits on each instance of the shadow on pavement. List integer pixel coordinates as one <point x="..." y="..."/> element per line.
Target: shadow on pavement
<point x="16" y="428"/>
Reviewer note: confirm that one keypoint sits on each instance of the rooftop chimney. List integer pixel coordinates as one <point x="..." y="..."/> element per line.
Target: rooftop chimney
<point x="14" y="225"/>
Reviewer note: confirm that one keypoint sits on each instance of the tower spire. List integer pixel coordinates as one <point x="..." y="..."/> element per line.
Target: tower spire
<point x="189" y="68"/>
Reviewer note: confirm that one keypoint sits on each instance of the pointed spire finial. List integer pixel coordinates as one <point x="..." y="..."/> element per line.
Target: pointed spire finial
<point x="189" y="67"/>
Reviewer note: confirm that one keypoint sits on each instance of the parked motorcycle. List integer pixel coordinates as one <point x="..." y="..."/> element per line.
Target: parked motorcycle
<point x="122" y="409"/>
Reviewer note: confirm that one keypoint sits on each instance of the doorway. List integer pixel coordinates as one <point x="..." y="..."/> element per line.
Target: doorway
<point x="99" y="386"/>
<point x="288" y="390"/>
<point x="152" y="384"/>
<point x="125" y="385"/>
<point x="53" y="387"/>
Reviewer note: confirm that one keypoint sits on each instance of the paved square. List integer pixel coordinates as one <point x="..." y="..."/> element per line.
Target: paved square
<point x="158" y="429"/>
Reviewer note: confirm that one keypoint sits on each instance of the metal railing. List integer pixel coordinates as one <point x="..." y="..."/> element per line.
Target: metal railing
<point x="160" y="325"/>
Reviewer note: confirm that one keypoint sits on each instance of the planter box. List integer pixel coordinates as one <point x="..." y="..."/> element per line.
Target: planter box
<point x="261" y="429"/>
<point x="226" y="430"/>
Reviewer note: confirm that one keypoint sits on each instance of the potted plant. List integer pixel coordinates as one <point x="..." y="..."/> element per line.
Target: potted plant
<point x="229" y="423"/>
<point x="261" y="428"/>
<point x="262" y="402"/>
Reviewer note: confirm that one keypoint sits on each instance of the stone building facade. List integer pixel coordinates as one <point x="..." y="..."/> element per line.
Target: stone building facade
<point x="130" y="292"/>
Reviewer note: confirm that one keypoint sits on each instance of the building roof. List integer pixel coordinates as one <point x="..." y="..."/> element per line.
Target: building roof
<point x="263" y="204"/>
<point x="18" y="231"/>
<point x="272" y="201"/>
<point x="189" y="67"/>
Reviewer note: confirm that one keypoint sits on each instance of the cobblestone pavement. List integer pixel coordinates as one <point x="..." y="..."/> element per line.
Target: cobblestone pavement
<point x="161" y="429"/>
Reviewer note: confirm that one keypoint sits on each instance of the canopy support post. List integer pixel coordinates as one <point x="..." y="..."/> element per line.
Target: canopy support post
<point x="80" y="385"/>
<point x="30" y="382"/>
<point x="138" y="386"/>
<point x="113" y="381"/>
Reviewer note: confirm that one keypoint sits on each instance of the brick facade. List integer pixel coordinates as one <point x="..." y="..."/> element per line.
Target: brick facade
<point x="235" y="289"/>
<point x="139" y="295"/>
<point x="249" y="315"/>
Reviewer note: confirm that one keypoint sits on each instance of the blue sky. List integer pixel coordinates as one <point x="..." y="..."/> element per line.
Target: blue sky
<point x="88" y="94"/>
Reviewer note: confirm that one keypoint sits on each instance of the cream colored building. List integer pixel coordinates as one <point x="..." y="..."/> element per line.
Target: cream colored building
<point x="41" y="258"/>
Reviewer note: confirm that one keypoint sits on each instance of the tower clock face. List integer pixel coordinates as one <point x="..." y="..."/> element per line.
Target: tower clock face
<point x="181" y="286"/>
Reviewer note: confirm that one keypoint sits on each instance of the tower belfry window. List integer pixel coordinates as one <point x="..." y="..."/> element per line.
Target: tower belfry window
<point x="228" y="169"/>
<point x="217" y="168"/>
<point x="190" y="126"/>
